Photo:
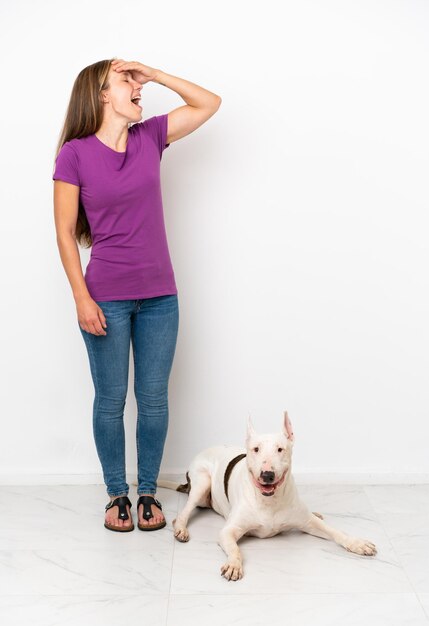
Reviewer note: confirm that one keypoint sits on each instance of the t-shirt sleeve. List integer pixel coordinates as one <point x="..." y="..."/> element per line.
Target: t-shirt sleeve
<point x="158" y="127"/>
<point x="67" y="165"/>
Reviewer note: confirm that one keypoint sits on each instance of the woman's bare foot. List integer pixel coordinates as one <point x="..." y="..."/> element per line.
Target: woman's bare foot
<point x="158" y="515"/>
<point x="113" y="512"/>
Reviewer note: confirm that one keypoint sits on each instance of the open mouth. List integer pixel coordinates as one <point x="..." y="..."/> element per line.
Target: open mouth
<point x="136" y="101"/>
<point x="268" y="489"/>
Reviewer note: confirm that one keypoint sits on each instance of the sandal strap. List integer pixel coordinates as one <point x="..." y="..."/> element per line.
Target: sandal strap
<point x="120" y="502"/>
<point x="147" y="501"/>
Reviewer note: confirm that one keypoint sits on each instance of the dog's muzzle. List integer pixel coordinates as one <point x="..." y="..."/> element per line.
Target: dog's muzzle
<point x="268" y="488"/>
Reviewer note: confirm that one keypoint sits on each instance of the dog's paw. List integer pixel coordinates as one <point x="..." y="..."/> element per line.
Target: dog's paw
<point x="181" y="534"/>
<point x="232" y="570"/>
<point x="361" y="546"/>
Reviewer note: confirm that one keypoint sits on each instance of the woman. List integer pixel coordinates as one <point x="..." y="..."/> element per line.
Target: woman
<point x="107" y="195"/>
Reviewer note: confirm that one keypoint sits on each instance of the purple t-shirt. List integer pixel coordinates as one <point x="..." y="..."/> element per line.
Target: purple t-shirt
<point x="121" y="195"/>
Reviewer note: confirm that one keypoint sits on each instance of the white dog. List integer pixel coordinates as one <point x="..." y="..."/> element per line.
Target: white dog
<point x="254" y="490"/>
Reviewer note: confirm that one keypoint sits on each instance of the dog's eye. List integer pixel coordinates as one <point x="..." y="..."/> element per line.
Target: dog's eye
<point x="256" y="449"/>
<point x="280" y="450"/>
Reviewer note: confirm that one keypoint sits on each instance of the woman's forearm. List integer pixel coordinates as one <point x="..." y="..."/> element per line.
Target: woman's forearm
<point x="191" y="93"/>
<point x="70" y="258"/>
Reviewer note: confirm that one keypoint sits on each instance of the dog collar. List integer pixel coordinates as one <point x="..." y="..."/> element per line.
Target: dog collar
<point x="228" y="471"/>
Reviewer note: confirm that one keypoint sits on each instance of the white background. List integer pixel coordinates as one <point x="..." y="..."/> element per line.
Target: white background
<point x="297" y="220"/>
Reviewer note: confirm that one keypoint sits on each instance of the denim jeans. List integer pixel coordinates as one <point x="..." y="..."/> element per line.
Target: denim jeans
<point x="151" y="325"/>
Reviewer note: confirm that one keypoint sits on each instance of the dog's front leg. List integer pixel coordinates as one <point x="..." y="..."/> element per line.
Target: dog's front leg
<point x="200" y="489"/>
<point x="229" y="535"/>
<point x="315" y="526"/>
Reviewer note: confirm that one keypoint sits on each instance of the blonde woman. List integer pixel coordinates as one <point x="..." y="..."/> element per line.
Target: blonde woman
<point x="107" y="195"/>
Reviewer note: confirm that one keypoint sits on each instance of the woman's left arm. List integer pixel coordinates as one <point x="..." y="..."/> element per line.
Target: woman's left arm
<point x="201" y="104"/>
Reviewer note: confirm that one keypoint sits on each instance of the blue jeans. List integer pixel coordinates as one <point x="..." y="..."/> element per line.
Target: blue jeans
<point x="151" y="324"/>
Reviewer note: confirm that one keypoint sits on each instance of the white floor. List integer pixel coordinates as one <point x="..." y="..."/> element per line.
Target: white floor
<point x="59" y="565"/>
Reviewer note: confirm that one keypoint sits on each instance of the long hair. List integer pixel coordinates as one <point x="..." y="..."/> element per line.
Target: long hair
<point x="84" y="117"/>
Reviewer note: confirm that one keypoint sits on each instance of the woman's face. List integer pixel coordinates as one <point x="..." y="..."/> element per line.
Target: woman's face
<point x="118" y="97"/>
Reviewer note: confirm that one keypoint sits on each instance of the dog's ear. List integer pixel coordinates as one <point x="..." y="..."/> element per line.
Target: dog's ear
<point x="287" y="426"/>
<point x="250" y="430"/>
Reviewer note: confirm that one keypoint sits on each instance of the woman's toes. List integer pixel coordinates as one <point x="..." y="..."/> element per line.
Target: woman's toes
<point x="156" y="519"/>
<point x="114" y="520"/>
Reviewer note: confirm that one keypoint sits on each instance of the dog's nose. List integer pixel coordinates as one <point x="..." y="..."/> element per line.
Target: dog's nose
<point x="267" y="477"/>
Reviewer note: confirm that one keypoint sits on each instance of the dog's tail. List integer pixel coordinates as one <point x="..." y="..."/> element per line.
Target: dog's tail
<point x="169" y="484"/>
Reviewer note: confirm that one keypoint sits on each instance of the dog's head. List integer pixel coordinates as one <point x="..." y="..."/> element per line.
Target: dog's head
<point x="269" y="456"/>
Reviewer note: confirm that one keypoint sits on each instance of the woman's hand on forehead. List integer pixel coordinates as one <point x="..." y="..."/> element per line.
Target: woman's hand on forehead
<point x="139" y="72"/>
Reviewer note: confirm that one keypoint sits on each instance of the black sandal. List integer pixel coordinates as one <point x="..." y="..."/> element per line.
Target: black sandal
<point x="147" y="501"/>
<point x="121" y="501"/>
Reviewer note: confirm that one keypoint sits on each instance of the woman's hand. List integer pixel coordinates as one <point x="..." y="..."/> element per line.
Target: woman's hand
<point x="141" y="73"/>
<point x="90" y="316"/>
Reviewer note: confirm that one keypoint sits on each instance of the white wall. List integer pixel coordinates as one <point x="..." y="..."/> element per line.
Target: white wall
<point x="297" y="220"/>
